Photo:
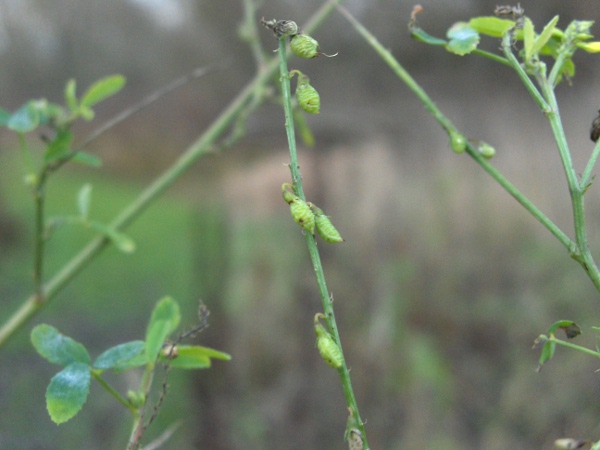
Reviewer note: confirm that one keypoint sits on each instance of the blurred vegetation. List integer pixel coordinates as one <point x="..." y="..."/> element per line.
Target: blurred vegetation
<point x="441" y="286"/>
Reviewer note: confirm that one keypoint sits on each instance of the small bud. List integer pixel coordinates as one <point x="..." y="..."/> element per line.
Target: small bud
<point x="595" y="130"/>
<point x="304" y="46"/>
<point x="308" y="97"/>
<point x="287" y="195"/>
<point x="486" y="150"/>
<point x="329" y="350"/>
<point x="324" y="227"/>
<point x="458" y="143"/>
<point x="136" y="398"/>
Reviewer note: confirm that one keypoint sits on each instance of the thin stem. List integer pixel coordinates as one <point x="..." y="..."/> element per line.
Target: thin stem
<point x="586" y="177"/>
<point x="575" y="346"/>
<point x="312" y="243"/>
<point x="112" y="391"/>
<point x="39" y="193"/>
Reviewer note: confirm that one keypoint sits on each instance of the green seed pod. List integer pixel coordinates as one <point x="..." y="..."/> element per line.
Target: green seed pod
<point x="324" y="227"/>
<point x="287" y="195"/>
<point x="329" y="350"/>
<point x="304" y="46"/>
<point x="486" y="150"/>
<point x="302" y="214"/>
<point x="308" y="97"/>
<point x="458" y="143"/>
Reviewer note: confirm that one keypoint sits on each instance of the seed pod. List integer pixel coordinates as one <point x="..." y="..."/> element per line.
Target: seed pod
<point x="308" y="97"/>
<point x="302" y="214"/>
<point x="595" y="130"/>
<point x="458" y="143"/>
<point x="329" y="350"/>
<point x="304" y="46"/>
<point x="324" y="227"/>
<point x="355" y="440"/>
<point x="486" y="150"/>
<point x="287" y="195"/>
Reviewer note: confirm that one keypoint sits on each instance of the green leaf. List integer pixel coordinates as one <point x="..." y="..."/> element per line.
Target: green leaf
<point x="545" y="36"/>
<point x="547" y="352"/>
<point x="58" y="348"/>
<point x="25" y="119"/>
<point x="59" y="147"/>
<point x="561" y="324"/>
<point x="70" y="96"/>
<point x="528" y="35"/>
<point x="463" y="39"/>
<point x="123" y="242"/>
<point x="87" y="159"/>
<point x="102" y="89"/>
<point x="164" y="321"/>
<point x="422" y="36"/>
<point x="491" y="26"/>
<point x="194" y="357"/>
<point x="84" y="200"/>
<point x="119" y="355"/>
<point x="86" y="112"/>
<point x="68" y="391"/>
<point x="136" y="361"/>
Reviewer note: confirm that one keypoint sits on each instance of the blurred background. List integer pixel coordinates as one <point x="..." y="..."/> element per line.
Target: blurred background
<point x="442" y="285"/>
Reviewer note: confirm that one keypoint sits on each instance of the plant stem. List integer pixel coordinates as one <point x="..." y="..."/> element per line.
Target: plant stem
<point x="585" y="178"/>
<point x="112" y="391"/>
<point x="201" y="147"/>
<point x="312" y="243"/>
<point x="575" y="347"/>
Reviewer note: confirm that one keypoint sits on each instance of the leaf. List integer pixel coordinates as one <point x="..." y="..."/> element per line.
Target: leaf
<point x="491" y="26"/>
<point x="545" y="36"/>
<point x="123" y="242"/>
<point x="463" y="39"/>
<point x="25" y="119"/>
<point x="564" y="324"/>
<point x="102" y="89"/>
<point x="194" y="357"/>
<point x="136" y="361"/>
<point x="547" y="352"/>
<point x="164" y="321"/>
<point x="70" y="96"/>
<point x="58" y="348"/>
<point x="528" y="34"/>
<point x="68" y="391"/>
<point x="422" y="36"/>
<point x="59" y="147"/>
<point x="87" y="159"/>
<point x="84" y="199"/>
<point x="590" y="47"/>
<point x="119" y="355"/>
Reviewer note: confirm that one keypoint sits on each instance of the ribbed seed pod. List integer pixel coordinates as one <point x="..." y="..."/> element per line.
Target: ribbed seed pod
<point x="308" y="97"/>
<point x="287" y="195"/>
<point x="324" y="227"/>
<point x="458" y="143"/>
<point x="486" y="150"/>
<point x="302" y="214"/>
<point x="304" y="46"/>
<point x="329" y="350"/>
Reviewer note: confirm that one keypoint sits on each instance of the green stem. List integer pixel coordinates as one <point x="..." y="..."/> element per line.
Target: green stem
<point x="326" y="300"/>
<point x="113" y="392"/>
<point x="202" y="146"/>
<point x="575" y="347"/>
<point x="587" y="173"/>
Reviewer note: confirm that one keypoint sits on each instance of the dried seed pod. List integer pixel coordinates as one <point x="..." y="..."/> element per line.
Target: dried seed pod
<point x="324" y="227"/>
<point x="458" y="143"/>
<point x="486" y="150"/>
<point x="329" y="350"/>
<point x="308" y="97"/>
<point x="304" y="46"/>
<point x="595" y="130"/>
<point x="280" y="28"/>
